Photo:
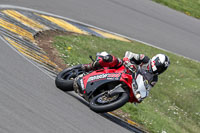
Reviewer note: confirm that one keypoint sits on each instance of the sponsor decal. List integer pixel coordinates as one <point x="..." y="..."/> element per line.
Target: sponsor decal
<point x="97" y="77"/>
<point x="141" y="56"/>
<point x="82" y="85"/>
<point x="166" y="64"/>
<point x="153" y="65"/>
<point x="109" y="76"/>
<point x="116" y="75"/>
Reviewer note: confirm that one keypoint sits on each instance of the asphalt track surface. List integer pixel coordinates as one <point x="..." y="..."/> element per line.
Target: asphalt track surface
<point x="29" y="100"/>
<point x="140" y="19"/>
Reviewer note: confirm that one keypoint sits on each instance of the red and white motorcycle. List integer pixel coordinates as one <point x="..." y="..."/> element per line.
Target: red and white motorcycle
<point x="105" y="89"/>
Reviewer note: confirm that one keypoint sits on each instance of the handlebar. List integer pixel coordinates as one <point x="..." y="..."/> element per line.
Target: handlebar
<point x="130" y="69"/>
<point x="136" y="92"/>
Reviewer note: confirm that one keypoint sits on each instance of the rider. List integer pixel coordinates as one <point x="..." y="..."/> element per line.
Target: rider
<point x="155" y="66"/>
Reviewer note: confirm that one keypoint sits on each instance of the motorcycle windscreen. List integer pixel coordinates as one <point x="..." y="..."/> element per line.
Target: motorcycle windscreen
<point x="141" y="86"/>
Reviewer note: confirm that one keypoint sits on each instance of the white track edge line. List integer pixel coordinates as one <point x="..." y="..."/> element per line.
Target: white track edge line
<point x="26" y="58"/>
<point x="130" y="38"/>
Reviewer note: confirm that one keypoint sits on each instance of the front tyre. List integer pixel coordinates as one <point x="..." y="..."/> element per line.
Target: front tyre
<point x="103" y="103"/>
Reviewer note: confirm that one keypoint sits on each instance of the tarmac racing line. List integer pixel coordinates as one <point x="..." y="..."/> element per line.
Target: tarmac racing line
<point x="18" y="28"/>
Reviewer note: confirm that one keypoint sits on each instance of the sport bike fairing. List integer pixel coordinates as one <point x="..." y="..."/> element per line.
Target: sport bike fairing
<point x="95" y="79"/>
<point x="141" y="86"/>
<point x="91" y="82"/>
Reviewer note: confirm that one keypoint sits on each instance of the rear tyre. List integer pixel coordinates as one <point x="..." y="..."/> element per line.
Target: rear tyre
<point x="100" y="106"/>
<point x="65" y="79"/>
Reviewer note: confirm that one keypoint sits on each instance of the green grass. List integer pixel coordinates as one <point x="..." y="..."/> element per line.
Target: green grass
<point x="189" y="7"/>
<point x="173" y="104"/>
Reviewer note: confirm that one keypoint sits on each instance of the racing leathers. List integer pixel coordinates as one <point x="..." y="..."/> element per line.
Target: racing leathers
<point x="145" y="63"/>
<point x="104" y="59"/>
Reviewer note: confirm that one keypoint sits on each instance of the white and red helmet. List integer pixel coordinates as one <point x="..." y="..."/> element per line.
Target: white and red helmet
<point x="159" y="63"/>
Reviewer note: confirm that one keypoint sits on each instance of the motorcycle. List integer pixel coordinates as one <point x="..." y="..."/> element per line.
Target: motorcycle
<point x="105" y="89"/>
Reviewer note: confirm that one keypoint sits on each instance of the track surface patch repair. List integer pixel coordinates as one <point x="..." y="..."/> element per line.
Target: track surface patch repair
<point x="19" y="28"/>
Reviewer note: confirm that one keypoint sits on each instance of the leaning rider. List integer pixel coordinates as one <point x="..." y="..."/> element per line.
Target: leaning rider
<point x="155" y="66"/>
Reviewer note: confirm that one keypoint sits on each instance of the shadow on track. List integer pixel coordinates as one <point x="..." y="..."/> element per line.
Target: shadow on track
<point x="116" y="120"/>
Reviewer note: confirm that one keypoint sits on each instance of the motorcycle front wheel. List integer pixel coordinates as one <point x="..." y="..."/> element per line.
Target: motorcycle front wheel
<point x="103" y="103"/>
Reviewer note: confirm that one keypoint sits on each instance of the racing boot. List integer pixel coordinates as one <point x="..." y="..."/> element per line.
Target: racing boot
<point x="87" y="67"/>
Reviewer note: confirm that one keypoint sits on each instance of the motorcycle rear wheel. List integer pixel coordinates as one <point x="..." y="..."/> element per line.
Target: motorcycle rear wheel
<point x="102" y="107"/>
<point x="65" y="79"/>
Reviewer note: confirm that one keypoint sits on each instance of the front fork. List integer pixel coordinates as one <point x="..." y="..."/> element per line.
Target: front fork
<point x="118" y="89"/>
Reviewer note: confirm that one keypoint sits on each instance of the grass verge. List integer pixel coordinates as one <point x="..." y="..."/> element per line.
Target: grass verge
<point x="173" y="104"/>
<point x="189" y="7"/>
